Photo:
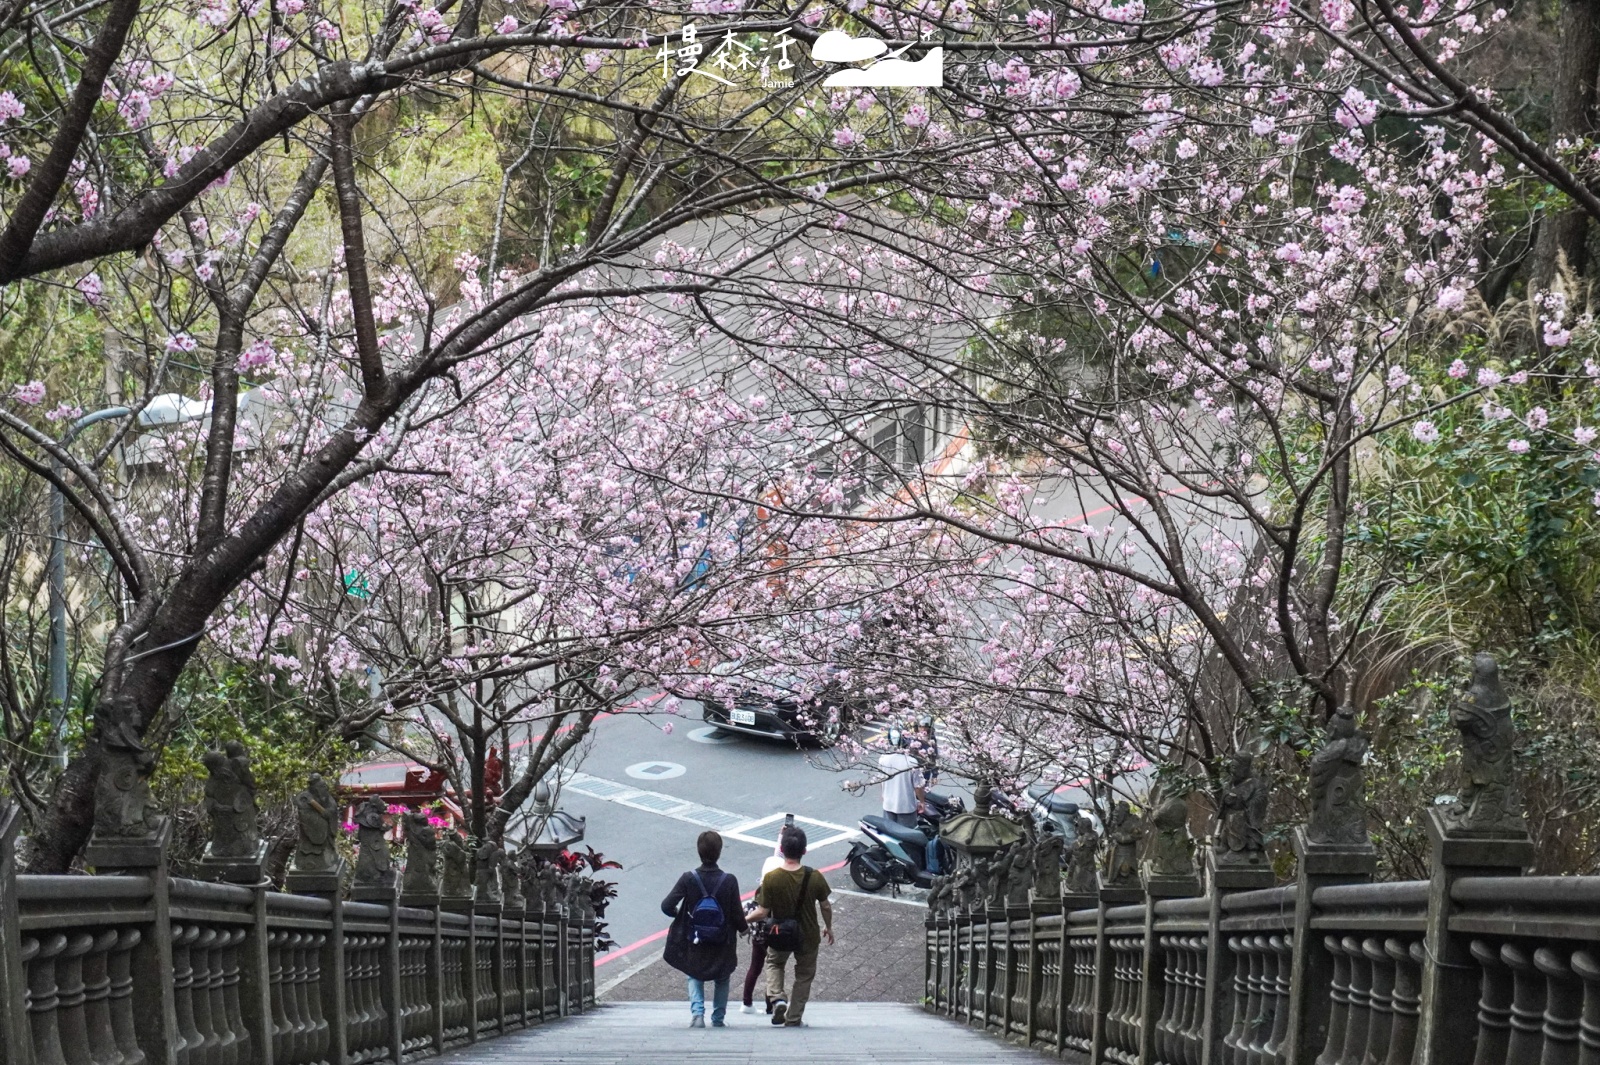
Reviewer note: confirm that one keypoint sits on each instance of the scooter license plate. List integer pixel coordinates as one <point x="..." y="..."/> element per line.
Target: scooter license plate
<point x="742" y="717"/>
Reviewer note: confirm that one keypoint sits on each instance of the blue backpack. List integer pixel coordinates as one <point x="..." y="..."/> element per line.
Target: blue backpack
<point x="707" y="924"/>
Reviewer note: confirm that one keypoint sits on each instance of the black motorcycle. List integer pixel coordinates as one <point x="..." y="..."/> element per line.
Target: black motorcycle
<point x="896" y="854"/>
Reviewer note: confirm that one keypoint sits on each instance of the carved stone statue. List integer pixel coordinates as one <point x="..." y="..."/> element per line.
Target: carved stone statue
<point x="1244" y="815"/>
<point x="586" y="896"/>
<point x="457" y="881"/>
<point x="938" y="891"/>
<point x="230" y="803"/>
<point x="510" y="883"/>
<point x="1488" y="801"/>
<point x="1017" y="878"/>
<point x="422" y="855"/>
<point x="122" y="792"/>
<point x="317" y="813"/>
<point x="374" y="864"/>
<point x="1085" y="858"/>
<point x="1047" y="866"/>
<point x="990" y="874"/>
<point x="1171" y="850"/>
<point x="486" y="871"/>
<point x="544" y="891"/>
<point x="1338" y="793"/>
<point x="1127" y="832"/>
<point x="965" y="889"/>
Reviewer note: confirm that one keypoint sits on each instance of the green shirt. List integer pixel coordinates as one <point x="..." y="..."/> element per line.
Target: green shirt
<point x="780" y="895"/>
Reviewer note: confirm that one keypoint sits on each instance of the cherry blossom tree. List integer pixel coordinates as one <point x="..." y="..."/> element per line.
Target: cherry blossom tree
<point x="1178" y="258"/>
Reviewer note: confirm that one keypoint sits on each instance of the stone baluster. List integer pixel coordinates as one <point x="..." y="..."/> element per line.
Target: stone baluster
<point x="71" y="996"/>
<point x="1380" y="1026"/>
<point x="40" y="954"/>
<point x="1407" y="957"/>
<point x="1360" y="994"/>
<point x="1563" y="1007"/>
<point x="97" y="999"/>
<point x="1587" y="966"/>
<point x="1493" y="1006"/>
<point x="1527" y="1005"/>
<point x="119" y="967"/>
<point x="1338" y="1018"/>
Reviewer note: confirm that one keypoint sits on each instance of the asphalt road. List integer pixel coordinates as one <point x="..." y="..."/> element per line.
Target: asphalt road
<point x="648" y="794"/>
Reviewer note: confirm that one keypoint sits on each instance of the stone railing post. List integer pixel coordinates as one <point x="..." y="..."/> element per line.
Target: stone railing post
<point x="389" y="973"/>
<point x="1038" y="908"/>
<point x="1449" y="974"/>
<point x="1151" y="973"/>
<point x="154" y="995"/>
<point x="434" y="980"/>
<point x="255" y="982"/>
<point x="328" y="885"/>
<point x="467" y="908"/>
<point x="563" y="952"/>
<point x="1227" y="880"/>
<point x="1311" y="973"/>
<point x="16" y="1044"/>
<point x="1107" y="897"/>
<point x="1068" y="980"/>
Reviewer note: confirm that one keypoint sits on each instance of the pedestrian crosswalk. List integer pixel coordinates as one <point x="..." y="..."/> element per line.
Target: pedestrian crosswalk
<point x="759" y="831"/>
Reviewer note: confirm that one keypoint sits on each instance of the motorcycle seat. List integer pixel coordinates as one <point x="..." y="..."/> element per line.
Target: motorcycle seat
<point x="938" y="798"/>
<point x="895" y="831"/>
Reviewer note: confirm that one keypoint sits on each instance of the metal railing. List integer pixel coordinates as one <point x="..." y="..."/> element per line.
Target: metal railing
<point x="158" y="970"/>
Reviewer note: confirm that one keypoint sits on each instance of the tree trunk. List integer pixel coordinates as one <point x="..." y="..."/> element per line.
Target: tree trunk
<point x="1563" y="235"/>
<point x="61" y="830"/>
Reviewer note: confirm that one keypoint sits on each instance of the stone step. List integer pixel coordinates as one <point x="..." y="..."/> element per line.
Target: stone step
<point x="654" y="1033"/>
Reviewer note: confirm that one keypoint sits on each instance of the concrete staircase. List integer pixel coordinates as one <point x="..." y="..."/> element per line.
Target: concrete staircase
<point x="658" y="1033"/>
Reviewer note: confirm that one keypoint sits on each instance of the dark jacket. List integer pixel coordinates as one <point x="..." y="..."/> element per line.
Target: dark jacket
<point x="703" y="962"/>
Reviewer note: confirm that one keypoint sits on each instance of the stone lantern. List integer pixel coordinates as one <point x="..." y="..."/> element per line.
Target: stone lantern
<point x="554" y="830"/>
<point x="979" y="833"/>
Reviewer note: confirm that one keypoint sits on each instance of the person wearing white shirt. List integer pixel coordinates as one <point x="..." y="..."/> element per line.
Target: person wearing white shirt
<point x="902" y="788"/>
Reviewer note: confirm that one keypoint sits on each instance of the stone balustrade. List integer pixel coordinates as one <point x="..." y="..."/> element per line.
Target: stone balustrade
<point x="149" y="969"/>
<point x="1477" y="966"/>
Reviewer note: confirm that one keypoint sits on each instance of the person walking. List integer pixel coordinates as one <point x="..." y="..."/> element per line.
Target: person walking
<point x="789" y="901"/>
<point x="702" y="942"/>
<point x="758" y="934"/>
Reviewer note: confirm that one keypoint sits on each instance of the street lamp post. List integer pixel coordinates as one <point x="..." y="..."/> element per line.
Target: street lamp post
<point x="58" y="582"/>
<point x="168" y="409"/>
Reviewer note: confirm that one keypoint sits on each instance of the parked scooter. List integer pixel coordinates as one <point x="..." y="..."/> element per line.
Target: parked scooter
<point x="896" y="854"/>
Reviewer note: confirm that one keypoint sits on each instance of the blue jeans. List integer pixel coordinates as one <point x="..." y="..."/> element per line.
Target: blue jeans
<point x="719" y="999"/>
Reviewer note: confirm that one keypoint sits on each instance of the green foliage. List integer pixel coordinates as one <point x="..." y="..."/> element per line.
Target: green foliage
<point x="1482" y="545"/>
<point x="285" y="739"/>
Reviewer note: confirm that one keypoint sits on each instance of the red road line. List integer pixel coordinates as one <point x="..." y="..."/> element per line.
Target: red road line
<point x="613" y="955"/>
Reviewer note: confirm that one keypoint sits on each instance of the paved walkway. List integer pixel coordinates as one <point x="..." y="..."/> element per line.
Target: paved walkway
<point x="878" y="957"/>
<point x="653" y="1033"/>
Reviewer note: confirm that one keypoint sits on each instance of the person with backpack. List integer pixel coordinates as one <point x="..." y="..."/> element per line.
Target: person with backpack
<point x="788" y="902"/>
<point x="706" y="922"/>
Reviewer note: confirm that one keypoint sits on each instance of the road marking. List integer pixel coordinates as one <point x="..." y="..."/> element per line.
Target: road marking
<point x="655" y="770"/>
<point x="879" y="898"/>
<point x="633" y="970"/>
<point x="735" y="825"/>
<point x="712" y="734"/>
<point x="746" y="832"/>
